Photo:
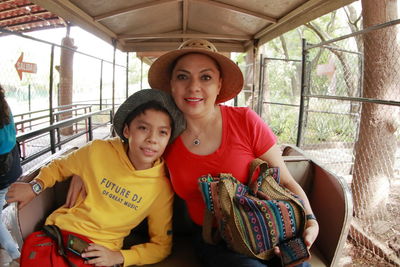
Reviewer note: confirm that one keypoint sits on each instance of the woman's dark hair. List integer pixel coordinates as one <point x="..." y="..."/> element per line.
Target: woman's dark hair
<point x="141" y="109"/>
<point x="4" y="109"/>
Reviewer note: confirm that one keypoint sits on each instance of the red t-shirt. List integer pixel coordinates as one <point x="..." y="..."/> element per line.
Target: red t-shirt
<point x="245" y="136"/>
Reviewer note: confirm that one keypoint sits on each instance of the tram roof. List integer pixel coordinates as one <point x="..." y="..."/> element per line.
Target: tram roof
<point x="161" y="25"/>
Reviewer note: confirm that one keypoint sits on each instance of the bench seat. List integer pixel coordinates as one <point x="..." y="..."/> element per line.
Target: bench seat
<point x="328" y="194"/>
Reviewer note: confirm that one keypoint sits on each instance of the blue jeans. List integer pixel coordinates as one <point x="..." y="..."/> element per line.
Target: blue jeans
<point x="220" y="255"/>
<point x="6" y="240"/>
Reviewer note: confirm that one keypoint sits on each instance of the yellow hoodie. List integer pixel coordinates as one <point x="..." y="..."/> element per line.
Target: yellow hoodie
<point x="118" y="199"/>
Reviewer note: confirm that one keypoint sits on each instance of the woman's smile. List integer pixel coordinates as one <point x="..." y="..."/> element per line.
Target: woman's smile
<point x="193" y="99"/>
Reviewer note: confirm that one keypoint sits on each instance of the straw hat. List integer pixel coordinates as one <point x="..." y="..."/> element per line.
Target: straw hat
<point x="232" y="77"/>
<point x="142" y="97"/>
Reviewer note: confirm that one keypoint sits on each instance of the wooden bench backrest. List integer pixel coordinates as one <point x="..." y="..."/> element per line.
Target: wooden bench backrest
<point x="328" y="196"/>
<point x="331" y="201"/>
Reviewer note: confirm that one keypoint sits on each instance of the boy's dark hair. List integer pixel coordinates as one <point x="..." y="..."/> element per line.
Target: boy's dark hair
<point x="150" y="105"/>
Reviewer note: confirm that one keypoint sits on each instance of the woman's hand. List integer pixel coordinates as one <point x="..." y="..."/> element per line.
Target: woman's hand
<point x="102" y="256"/>
<point x="21" y="193"/>
<point x="76" y="187"/>
<point x="309" y="235"/>
<point x="311" y="232"/>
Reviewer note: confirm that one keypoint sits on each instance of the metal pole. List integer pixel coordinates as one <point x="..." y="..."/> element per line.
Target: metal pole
<point x="52" y="134"/>
<point x="141" y="74"/>
<point x="101" y="85"/>
<point x="113" y="78"/>
<point x="299" y="140"/>
<point x="90" y="129"/>
<point x="260" y="86"/>
<point x="127" y="74"/>
<point x="235" y="100"/>
<point x="29" y="97"/>
<point x="30" y="105"/>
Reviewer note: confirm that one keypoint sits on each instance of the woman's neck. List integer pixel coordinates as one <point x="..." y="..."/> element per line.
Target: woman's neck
<point x="198" y="124"/>
<point x="203" y="134"/>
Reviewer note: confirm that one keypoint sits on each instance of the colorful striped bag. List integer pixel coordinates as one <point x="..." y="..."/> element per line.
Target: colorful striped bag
<point x="254" y="219"/>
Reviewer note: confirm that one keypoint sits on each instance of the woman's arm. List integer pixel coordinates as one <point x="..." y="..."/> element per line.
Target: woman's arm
<point x="274" y="159"/>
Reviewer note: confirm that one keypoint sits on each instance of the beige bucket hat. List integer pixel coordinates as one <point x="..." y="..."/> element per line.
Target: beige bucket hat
<point x="232" y="78"/>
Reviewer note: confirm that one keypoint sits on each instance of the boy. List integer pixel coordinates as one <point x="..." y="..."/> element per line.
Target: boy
<point x="125" y="182"/>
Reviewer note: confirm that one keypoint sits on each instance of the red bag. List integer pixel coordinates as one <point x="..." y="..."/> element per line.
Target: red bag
<point x="39" y="249"/>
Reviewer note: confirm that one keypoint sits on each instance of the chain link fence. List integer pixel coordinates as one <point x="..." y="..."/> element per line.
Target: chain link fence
<point x="347" y="116"/>
<point x="31" y="76"/>
<point x="281" y="80"/>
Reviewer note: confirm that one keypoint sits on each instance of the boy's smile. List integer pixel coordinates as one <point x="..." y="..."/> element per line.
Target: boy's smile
<point x="148" y="135"/>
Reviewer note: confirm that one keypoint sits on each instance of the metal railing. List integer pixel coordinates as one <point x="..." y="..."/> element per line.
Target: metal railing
<point x="29" y="120"/>
<point x="50" y="132"/>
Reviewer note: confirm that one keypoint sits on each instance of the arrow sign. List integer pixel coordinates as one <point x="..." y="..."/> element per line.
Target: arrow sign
<point x="21" y="66"/>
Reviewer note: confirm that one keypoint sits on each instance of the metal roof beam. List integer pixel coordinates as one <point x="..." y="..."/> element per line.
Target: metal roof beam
<point x="307" y="12"/>
<point x="151" y="46"/>
<point x="184" y="35"/>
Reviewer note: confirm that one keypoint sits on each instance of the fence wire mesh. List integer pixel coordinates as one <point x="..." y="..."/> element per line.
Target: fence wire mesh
<point x="281" y="81"/>
<point x="90" y="88"/>
<point x="350" y="124"/>
<point x="359" y="139"/>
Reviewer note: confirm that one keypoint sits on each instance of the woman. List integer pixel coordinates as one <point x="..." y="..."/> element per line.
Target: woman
<point x="217" y="139"/>
<point x="10" y="169"/>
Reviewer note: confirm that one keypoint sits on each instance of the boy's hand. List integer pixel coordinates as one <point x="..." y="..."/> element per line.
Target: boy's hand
<point x="21" y="193"/>
<point x="103" y="256"/>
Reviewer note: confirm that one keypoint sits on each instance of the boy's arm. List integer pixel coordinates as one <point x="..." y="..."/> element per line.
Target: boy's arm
<point x="64" y="167"/>
<point x="57" y="170"/>
<point x="160" y="232"/>
<point x="21" y="193"/>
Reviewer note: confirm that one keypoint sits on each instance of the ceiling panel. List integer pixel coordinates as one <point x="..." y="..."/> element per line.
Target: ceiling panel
<point x="160" y="25"/>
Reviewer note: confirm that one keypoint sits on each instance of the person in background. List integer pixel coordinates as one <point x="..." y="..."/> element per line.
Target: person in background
<point x="217" y="139"/>
<point x="10" y="169"/>
<point x="125" y="181"/>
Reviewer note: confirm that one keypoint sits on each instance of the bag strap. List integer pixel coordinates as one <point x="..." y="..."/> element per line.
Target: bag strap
<point x="55" y="233"/>
<point x="255" y="163"/>
<point x="256" y="167"/>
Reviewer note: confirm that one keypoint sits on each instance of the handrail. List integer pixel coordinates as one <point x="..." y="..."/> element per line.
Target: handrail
<point x="22" y="137"/>
<point x="54" y="113"/>
<point x="43" y="110"/>
<point x="64" y="123"/>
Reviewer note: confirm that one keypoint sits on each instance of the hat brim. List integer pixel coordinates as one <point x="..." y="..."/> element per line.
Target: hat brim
<point x="144" y="96"/>
<point x="232" y="78"/>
